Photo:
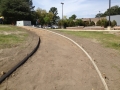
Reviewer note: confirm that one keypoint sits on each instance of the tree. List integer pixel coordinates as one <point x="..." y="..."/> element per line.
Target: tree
<point x="43" y="16"/>
<point x="63" y="22"/>
<point x="86" y="23"/>
<point x="114" y="10"/>
<point x="99" y="23"/>
<point x="99" y="15"/>
<point x="71" y="23"/>
<point x="102" y="22"/>
<point x="73" y="17"/>
<point x="40" y="14"/>
<point x="15" y="10"/>
<point x="47" y="20"/>
<point x="92" y="23"/>
<point x="79" y="22"/>
<point x="65" y="17"/>
<point x="55" y="17"/>
<point x="114" y="23"/>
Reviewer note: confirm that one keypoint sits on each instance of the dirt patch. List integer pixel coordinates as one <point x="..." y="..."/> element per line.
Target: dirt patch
<point x="57" y="65"/>
<point x="107" y="60"/>
<point x="9" y="57"/>
<point x="60" y="65"/>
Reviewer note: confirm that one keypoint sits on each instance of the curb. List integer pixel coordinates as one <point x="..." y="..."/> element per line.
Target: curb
<point x="20" y="63"/>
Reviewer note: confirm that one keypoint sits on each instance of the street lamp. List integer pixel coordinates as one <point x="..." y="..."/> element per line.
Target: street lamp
<point x="109" y="11"/>
<point x="62" y="14"/>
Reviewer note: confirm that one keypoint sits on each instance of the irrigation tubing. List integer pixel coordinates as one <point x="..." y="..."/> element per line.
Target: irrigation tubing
<point x="20" y="63"/>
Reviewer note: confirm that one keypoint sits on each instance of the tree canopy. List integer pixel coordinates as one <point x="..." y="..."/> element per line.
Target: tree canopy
<point x="44" y="17"/>
<point x="14" y="10"/>
<point x="73" y="17"/>
<point x="114" y="10"/>
<point x="55" y="13"/>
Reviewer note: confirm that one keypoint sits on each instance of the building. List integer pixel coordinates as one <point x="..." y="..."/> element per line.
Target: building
<point x="114" y="17"/>
<point x="23" y="23"/>
<point x="95" y="20"/>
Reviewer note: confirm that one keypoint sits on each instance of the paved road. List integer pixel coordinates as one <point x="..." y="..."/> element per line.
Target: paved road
<point x="57" y="65"/>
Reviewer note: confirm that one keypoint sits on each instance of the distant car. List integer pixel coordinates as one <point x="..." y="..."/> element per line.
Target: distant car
<point x="47" y="27"/>
<point x="54" y="26"/>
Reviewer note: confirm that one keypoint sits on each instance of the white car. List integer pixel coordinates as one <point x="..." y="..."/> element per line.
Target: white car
<point x="54" y="27"/>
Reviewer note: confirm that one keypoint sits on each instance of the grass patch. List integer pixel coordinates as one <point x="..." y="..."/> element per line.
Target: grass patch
<point x="12" y="39"/>
<point x="109" y="40"/>
<point x="9" y="28"/>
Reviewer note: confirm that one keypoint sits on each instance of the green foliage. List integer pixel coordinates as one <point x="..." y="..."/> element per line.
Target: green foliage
<point x="40" y="14"/>
<point x="103" y="22"/>
<point x="55" y="17"/>
<point x="44" y="17"/>
<point x="14" y="10"/>
<point x="92" y="23"/>
<point x="86" y="23"/>
<point x="99" y="15"/>
<point x="64" y="23"/>
<point x="99" y="23"/>
<point x="79" y="22"/>
<point x="114" y="23"/>
<point x="47" y="20"/>
<point x="73" y="17"/>
<point x="114" y="10"/>
<point x="10" y="37"/>
<point x="71" y="23"/>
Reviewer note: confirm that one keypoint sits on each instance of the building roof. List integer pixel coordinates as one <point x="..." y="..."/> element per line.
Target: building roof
<point x="93" y="19"/>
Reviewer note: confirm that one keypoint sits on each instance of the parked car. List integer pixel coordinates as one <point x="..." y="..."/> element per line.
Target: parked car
<point x="46" y="27"/>
<point x="54" y="26"/>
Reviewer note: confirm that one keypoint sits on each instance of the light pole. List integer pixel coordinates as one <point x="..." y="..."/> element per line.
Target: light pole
<point x="109" y="11"/>
<point x="62" y="14"/>
<point x="99" y="15"/>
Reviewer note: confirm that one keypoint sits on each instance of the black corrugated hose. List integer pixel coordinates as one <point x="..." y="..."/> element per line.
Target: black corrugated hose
<point x="20" y="63"/>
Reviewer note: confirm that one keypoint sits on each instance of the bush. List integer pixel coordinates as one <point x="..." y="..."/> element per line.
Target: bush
<point x="99" y="23"/>
<point x="86" y="23"/>
<point x="114" y="23"/>
<point x="92" y="23"/>
<point x="103" y="22"/>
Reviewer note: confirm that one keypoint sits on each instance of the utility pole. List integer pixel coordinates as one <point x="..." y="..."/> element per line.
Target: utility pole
<point x="109" y="11"/>
<point x="62" y="14"/>
<point x="99" y="15"/>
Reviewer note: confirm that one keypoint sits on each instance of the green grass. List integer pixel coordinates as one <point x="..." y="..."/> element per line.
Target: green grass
<point x="12" y="39"/>
<point x="109" y="40"/>
<point x="9" y="28"/>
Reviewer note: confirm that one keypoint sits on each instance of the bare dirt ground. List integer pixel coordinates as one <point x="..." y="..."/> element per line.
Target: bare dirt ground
<point x="107" y="60"/>
<point x="59" y="65"/>
<point x="9" y="57"/>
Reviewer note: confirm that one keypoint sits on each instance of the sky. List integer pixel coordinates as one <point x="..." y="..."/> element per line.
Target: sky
<point x="81" y="8"/>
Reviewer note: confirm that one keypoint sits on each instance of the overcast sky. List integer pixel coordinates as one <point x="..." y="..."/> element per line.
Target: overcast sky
<point x="81" y="8"/>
